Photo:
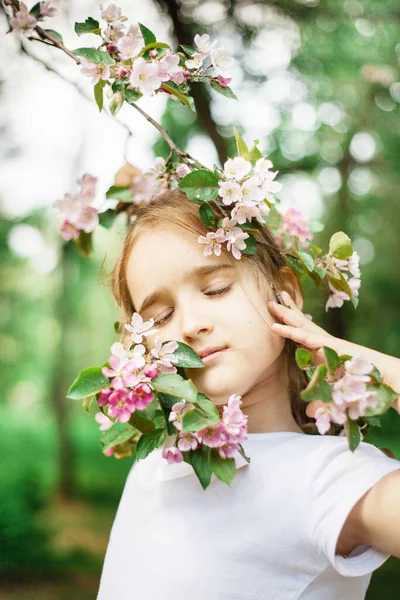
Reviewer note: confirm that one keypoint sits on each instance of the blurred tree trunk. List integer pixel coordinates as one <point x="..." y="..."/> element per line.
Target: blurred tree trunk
<point x="60" y="379"/>
<point x="183" y="35"/>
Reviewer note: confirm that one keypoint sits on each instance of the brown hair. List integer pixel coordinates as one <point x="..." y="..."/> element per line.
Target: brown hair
<point x="267" y="264"/>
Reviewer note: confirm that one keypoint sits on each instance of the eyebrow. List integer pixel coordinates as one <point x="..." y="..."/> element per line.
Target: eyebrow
<point x="196" y="272"/>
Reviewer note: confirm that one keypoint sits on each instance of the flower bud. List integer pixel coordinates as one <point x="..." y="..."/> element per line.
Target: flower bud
<point x="122" y="72"/>
<point x="111" y="48"/>
<point x="154" y="53"/>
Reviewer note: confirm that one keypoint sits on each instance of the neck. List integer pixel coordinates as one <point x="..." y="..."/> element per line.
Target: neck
<point x="267" y="405"/>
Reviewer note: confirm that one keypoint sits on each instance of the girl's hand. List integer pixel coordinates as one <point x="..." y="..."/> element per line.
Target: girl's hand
<point x="310" y="336"/>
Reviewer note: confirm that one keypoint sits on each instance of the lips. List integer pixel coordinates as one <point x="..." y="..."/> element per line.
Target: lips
<point x="209" y="351"/>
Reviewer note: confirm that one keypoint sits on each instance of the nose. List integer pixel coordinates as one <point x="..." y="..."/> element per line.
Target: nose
<point x="194" y="324"/>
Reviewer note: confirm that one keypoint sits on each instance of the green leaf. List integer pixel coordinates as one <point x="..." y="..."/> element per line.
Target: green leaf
<point x="113" y="437"/>
<point x="296" y="265"/>
<point x="88" y="26"/>
<point x="175" y="91"/>
<point x="87" y="402"/>
<point x="340" y="246"/>
<point x="241" y="146"/>
<point x="186" y="357"/>
<point x="223" y="468"/>
<point x="374" y="421"/>
<point x="95" y="56"/>
<point x="175" y="385"/>
<point x="202" y="415"/>
<point x="251" y="245"/>
<point x="200" y="461"/>
<point x="306" y="258"/>
<point x="318" y="388"/>
<point x="223" y="90"/>
<point x="314" y="249"/>
<point x="320" y="271"/>
<point x="388" y="435"/>
<point x="35" y="10"/>
<point x="188" y="49"/>
<point x="55" y="34"/>
<point x="120" y="193"/>
<point x="200" y="185"/>
<point x="254" y="154"/>
<point x="207" y="216"/>
<point x="353" y="434"/>
<point x="385" y="396"/>
<point x="84" y="243"/>
<point x="140" y="422"/>
<point x="98" y="93"/>
<point x="332" y="359"/>
<point x="148" y="36"/>
<point x="303" y="358"/>
<point x="116" y="102"/>
<point x="89" y="381"/>
<point x="153" y="45"/>
<point x="106" y="218"/>
<point x="132" y="95"/>
<point x="148" y="441"/>
<point x="376" y="375"/>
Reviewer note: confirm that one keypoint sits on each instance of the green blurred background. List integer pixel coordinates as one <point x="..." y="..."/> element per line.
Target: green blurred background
<point x="318" y="84"/>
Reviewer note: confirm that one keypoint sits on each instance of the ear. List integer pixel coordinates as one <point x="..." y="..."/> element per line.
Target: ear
<point x="287" y="280"/>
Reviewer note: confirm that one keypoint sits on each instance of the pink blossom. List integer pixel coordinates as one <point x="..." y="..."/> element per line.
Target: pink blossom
<point x="228" y="450"/>
<point x="336" y="299"/>
<point x="121" y="372"/>
<point x="113" y="32"/>
<point x="109" y="451"/>
<point x="213" y="435"/>
<point x="144" y="76"/>
<point x="88" y="187"/>
<point x="23" y="22"/>
<point x="172" y="454"/>
<point x="236" y="168"/>
<point x="111" y="14"/>
<point x="181" y="170"/>
<point x="168" y="66"/>
<point x="163" y="352"/>
<point x="139" y="328"/>
<point x="150" y="371"/>
<point x="179" y="76"/>
<point x="224" y="81"/>
<point x="105" y="422"/>
<point x="236" y="242"/>
<point x="69" y="231"/>
<point x="46" y="10"/>
<point x="212" y="243"/>
<point x="96" y="72"/>
<point x="221" y="61"/>
<point x="204" y="44"/>
<point x="319" y="411"/>
<point x="234" y="420"/>
<point x="88" y="219"/>
<point x="120" y="405"/>
<point x="177" y="411"/>
<point x="353" y="264"/>
<point x="187" y="441"/>
<point x="244" y="211"/>
<point x="296" y="224"/>
<point x="128" y="47"/>
<point x="195" y="61"/>
<point x="104" y="396"/>
<point x="359" y="368"/>
<point x="230" y="192"/>
<point x="141" y="396"/>
<point x="251" y="191"/>
<point x="122" y="72"/>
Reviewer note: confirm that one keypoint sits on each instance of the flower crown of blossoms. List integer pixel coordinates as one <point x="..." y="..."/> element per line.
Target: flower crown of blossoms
<point x="141" y="397"/>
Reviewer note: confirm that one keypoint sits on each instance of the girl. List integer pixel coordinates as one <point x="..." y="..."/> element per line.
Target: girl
<point x="306" y="518"/>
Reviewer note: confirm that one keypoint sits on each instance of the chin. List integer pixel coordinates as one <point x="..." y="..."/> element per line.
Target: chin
<point x="219" y="389"/>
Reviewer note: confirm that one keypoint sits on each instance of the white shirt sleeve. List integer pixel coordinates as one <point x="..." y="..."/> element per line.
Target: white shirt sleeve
<point x="339" y="479"/>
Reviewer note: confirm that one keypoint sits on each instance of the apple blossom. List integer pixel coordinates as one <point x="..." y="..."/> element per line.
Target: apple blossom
<point x="204" y="44"/>
<point x="144" y="76"/>
<point x="236" y="168"/>
<point x="23" y="22"/>
<point x="46" y="10"/>
<point x="172" y="454"/>
<point x="96" y="72"/>
<point x="221" y="61"/>
<point x="139" y="328"/>
<point x="104" y="421"/>
<point x="120" y="405"/>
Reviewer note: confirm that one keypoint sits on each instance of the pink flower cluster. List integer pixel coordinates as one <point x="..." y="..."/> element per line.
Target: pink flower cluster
<point x="131" y="371"/>
<point x="25" y="22"/>
<point x="350" y="397"/>
<point x="147" y="186"/>
<point x="295" y="224"/>
<point x="225" y="435"/>
<point x="76" y="210"/>
<point x="247" y="189"/>
<point x="148" y="74"/>
<point x="347" y="267"/>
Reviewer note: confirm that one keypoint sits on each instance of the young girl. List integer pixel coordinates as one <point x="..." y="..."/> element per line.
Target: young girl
<point x="306" y="518"/>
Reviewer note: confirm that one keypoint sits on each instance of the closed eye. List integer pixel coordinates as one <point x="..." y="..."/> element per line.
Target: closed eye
<point x="212" y="293"/>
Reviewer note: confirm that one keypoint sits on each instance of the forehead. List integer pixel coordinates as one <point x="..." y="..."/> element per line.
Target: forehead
<point x="160" y="256"/>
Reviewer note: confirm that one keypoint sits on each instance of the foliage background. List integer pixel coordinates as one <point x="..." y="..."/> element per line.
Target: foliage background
<point x="319" y="86"/>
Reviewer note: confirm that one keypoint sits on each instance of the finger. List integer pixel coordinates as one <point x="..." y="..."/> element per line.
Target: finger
<point x="288" y="300"/>
<point x="298" y="335"/>
<point x="288" y="315"/>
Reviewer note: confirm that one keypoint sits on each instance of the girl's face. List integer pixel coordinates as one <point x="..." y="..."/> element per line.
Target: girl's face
<point x="205" y="303"/>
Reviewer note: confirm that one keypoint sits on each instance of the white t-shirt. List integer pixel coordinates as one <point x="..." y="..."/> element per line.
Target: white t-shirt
<point x="271" y="535"/>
